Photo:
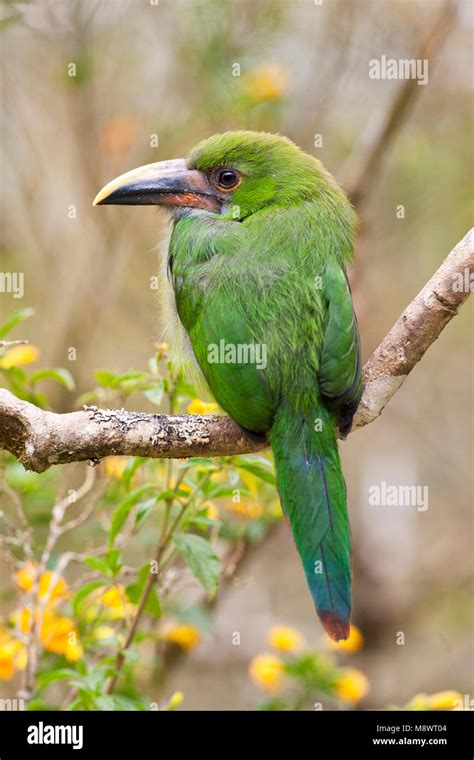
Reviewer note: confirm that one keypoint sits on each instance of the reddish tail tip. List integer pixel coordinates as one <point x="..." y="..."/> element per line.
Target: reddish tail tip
<point x="335" y="628"/>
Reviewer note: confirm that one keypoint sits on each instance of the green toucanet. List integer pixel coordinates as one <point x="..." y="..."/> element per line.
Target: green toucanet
<point x="261" y="238"/>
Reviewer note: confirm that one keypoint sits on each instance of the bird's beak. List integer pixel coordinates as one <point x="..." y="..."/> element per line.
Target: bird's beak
<point x="168" y="183"/>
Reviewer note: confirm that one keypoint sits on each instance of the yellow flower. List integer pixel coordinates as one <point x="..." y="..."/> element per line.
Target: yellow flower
<point x="115" y="466"/>
<point x="350" y="645"/>
<point x="24" y="576"/>
<point x="7" y="667"/>
<point x="252" y="509"/>
<point x="104" y="632"/>
<point x="284" y="638"/>
<point x="73" y="651"/>
<point x="184" y="636"/>
<point x="249" y="509"/>
<point x="250" y="481"/>
<point x="59" y="635"/>
<point x="20" y="356"/>
<point x="92" y="611"/>
<point x="201" y="407"/>
<point x="162" y="348"/>
<point x="13" y="656"/>
<point x="212" y="512"/>
<point x="269" y="82"/>
<point x="23" y="619"/>
<point x="267" y="672"/>
<point x="220" y="476"/>
<point x="275" y="510"/>
<point x="54" y="591"/>
<point x="446" y="700"/>
<point x="20" y="654"/>
<point x="419" y="702"/>
<point x="175" y="700"/>
<point x="351" y="685"/>
<point x="116" y="601"/>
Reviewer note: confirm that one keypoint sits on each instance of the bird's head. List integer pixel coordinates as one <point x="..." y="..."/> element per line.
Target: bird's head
<point x="233" y="175"/>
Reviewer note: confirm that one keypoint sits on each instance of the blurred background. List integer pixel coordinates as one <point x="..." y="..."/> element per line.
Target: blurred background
<point x="92" y="89"/>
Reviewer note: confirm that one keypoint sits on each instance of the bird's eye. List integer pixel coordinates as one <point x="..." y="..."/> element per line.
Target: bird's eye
<point x="227" y="179"/>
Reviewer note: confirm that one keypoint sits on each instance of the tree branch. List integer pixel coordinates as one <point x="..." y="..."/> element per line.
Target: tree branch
<point x="40" y="439"/>
<point x="362" y="167"/>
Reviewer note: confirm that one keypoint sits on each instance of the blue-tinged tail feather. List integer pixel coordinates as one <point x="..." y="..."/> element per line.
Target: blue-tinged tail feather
<point x="313" y="496"/>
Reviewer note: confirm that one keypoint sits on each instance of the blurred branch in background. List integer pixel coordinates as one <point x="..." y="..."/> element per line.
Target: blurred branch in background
<point x="40" y="439"/>
<point x="363" y="166"/>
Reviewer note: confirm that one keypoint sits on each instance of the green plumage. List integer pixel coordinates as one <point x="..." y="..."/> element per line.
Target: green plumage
<point x="270" y="270"/>
<point x="257" y="258"/>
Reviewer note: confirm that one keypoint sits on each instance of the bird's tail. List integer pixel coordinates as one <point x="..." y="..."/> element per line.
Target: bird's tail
<point x="313" y="495"/>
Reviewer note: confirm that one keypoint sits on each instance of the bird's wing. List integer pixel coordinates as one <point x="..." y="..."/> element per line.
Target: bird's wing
<point x="340" y="372"/>
<point x="231" y="358"/>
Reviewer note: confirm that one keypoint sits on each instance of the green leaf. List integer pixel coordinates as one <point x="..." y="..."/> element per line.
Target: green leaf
<point x="132" y="466"/>
<point x="123" y="510"/>
<point x="153" y="365"/>
<point x="155" y="395"/>
<point x="259" y="470"/>
<point x="168" y="495"/>
<point x="202" y="522"/>
<point x="185" y="389"/>
<point x="97" y="563"/>
<point x="36" y="704"/>
<point x="133" y="374"/>
<point x="221" y="491"/>
<point x="50" y="676"/>
<point x="114" y="561"/>
<point x="201" y="558"/>
<point x="83" y="593"/>
<point x="15" y="319"/>
<point x="62" y="376"/>
<point x="153" y="605"/>
<point x="200" y="462"/>
<point x="105" y="378"/>
<point x="86" y="398"/>
<point x="16" y="375"/>
<point x="105" y="703"/>
<point x="144" y="511"/>
<point x="128" y="703"/>
<point x="95" y="678"/>
<point x="134" y="590"/>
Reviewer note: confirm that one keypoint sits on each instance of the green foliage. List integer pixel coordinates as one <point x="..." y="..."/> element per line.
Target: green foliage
<point x="202" y="560"/>
<point x="167" y="514"/>
<point x="15" y="319"/>
<point x="21" y="383"/>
